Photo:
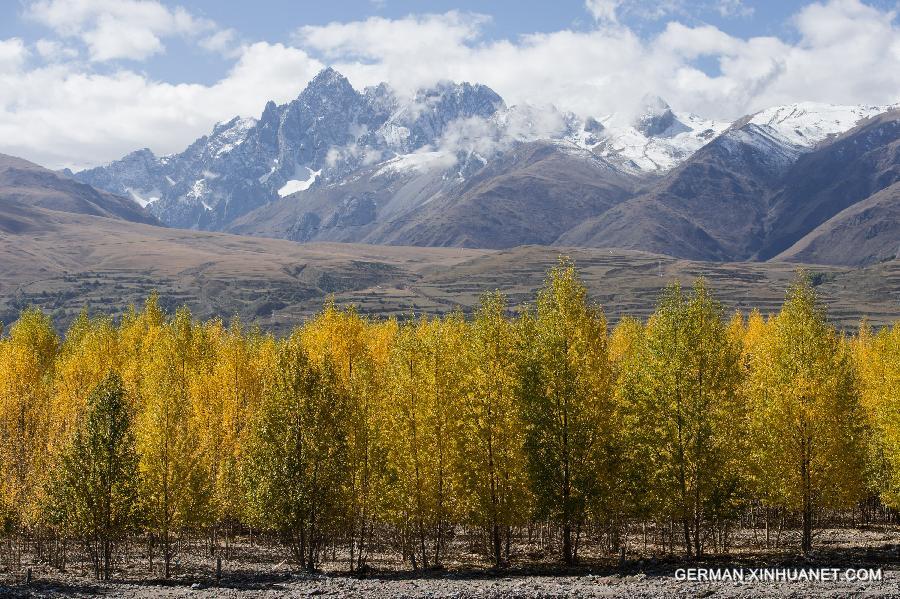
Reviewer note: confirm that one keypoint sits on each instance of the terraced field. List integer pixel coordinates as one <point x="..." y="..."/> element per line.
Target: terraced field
<point x="64" y="264"/>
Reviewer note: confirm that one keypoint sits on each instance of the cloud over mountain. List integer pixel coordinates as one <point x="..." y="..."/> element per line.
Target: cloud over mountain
<point x="839" y="51"/>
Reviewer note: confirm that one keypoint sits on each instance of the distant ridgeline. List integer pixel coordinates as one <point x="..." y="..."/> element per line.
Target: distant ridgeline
<point x="453" y="166"/>
<point x="362" y="435"/>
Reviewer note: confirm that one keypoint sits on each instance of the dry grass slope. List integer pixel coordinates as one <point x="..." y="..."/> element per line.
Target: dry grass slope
<point x="64" y="262"/>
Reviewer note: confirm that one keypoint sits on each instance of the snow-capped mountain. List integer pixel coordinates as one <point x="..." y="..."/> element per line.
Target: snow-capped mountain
<point x="759" y="187"/>
<point x="454" y="165"/>
<point x="658" y="140"/>
<point x="332" y="132"/>
<point x="807" y="124"/>
<point x="327" y="133"/>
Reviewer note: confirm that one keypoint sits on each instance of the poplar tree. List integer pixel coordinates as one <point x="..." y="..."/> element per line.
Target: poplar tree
<point x="87" y="355"/>
<point x="689" y="412"/>
<point x="808" y="426"/>
<point x="566" y="403"/>
<point x="94" y="494"/>
<point x="631" y="496"/>
<point x="27" y="363"/>
<point x="426" y="391"/>
<point x="490" y="438"/>
<point x="297" y="472"/>
<point x="357" y="349"/>
<point x="175" y="478"/>
<point x="877" y="361"/>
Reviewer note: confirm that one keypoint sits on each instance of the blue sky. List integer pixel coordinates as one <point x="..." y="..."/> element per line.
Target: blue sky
<point x="276" y="20"/>
<point x="84" y="81"/>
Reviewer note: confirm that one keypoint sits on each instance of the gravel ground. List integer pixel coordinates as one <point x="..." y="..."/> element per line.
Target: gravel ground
<point x="259" y="572"/>
<point x="639" y="585"/>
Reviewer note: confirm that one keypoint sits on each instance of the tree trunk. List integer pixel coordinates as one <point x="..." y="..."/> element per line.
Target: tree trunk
<point x="107" y="555"/>
<point x="806" y="543"/>
<point x="495" y="536"/>
<point x="167" y="555"/>
<point x="687" y="537"/>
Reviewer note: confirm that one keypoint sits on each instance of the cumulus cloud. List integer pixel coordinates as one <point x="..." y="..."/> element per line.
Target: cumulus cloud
<point x="486" y="136"/>
<point x="604" y="10"/>
<point x="845" y="52"/>
<point x="612" y="11"/>
<point x="53" y="50"/>
<point x="734" y="8"/>
<point x="61" y="111"/>
<point x="12" y="55"/>
<point x="384" y="39"/>
<point x="224" y="42"/>
<point x="117" y="29"/>
<point x="59" y="115"/>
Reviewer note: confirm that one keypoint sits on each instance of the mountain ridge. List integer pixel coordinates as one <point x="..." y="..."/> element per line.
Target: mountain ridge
<point x="28" y="191"/>
<point x="450" y="166"/>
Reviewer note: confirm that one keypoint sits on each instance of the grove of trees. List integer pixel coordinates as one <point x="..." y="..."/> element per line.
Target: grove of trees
<point x="356" y="436"/>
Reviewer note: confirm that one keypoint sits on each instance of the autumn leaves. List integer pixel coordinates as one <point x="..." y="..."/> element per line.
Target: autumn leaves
<point x="368" y="436"/>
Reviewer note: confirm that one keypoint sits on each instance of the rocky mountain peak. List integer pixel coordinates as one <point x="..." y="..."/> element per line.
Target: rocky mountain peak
<point x="656" y="118"/>
<point x="381" y="99"/>
<point x="448" y="96"/>
<point x="223" y="126"/>
<point x="328" y="82"/>
<point x="142" y="154"/>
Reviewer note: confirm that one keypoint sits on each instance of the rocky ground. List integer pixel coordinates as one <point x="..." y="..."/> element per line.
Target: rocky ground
<point x="590" y="585"/>
<point x="261" y="573"/>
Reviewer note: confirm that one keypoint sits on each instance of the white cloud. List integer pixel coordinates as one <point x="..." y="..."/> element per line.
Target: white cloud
<point x="63" y="112"/>
<point x="59" y="115"/>
<point x="734" y="8"/>
<point x="53" y="50"/>
<point x="222" y="42"/>
<point x="12" y="55"/>
<point x="113" y="39"/>
<point x="613" y="11"/>
<point x="603" y="10"/>
<point x="847" y="52"/>
<point x="380" y="38"/>
<point x="117" y="29"/>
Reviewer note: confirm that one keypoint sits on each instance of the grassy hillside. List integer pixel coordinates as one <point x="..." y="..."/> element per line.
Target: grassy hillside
<point x="65" y="262"/>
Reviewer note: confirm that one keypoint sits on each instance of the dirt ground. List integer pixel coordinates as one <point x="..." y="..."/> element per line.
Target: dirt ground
<point x="263" y="573"/>
<point x="458" y="586"/>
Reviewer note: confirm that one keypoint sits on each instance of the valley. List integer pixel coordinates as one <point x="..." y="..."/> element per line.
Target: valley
<point x="418" y="205"/>
<point x="67" y="262"/>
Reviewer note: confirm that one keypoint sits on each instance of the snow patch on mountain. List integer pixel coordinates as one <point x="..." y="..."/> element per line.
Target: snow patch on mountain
<point x="227" y="136"/>
<point x="651" y="150"/>
<point x="417" y="161"/>
<point x="807" y="124"/>
<point x="295" y="185"/>
<point x="198" y="190"/>
<point x="140" y="199"/>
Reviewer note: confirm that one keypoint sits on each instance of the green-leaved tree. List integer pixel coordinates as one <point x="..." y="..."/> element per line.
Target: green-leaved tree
<point x="94" y="495"/>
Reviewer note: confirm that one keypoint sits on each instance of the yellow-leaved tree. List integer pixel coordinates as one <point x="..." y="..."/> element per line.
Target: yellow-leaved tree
<point x="89" y="353"/>
<point x="27" y="363"/>
<point x="175" y="480"/>
<point x="689" y="415"/>
<point x="877" y="356"/>
<point x="358" y="350"/>
<point x="566" y="402"/>
<point x="807" y="426"/>
<point x="298" y="472"/>
<point x="490" y="439"/>
<point x="427" y="385"/>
